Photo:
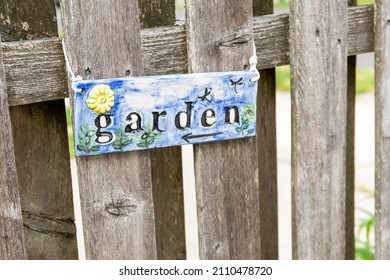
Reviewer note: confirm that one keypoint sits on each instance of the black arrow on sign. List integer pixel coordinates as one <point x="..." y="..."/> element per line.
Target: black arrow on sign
<point x="189" y="136"/>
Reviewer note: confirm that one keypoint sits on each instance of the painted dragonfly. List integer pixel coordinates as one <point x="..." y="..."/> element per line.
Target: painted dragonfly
<point x="236" y="83"/>
<point x="207" y="93"/>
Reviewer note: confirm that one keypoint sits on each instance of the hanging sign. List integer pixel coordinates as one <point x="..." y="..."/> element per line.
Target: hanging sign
<point x="137" y="113"/>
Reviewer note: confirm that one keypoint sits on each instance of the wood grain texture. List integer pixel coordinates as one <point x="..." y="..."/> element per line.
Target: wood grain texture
<point x="226" y="174"/>
<point x="41" y="140"/>
<point x="163" y="52"/>
<point x="318" y="31"/>
<point x="115" y="189"/>
<point x="157" y="12"/>
<point x="11" y="224"/>
<point x="167" y="171"/>
<point x="267" y="157"/>
<point x="382" y="130"/>
<point x="350" y="185"/>
<point x="19" y="20"/>
<point x="36" y="71"/>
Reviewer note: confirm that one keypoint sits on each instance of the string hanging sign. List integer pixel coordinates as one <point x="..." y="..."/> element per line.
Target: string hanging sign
<point x="134" y="113"/>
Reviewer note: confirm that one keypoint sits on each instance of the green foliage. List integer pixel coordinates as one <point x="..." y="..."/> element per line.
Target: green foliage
<point x="122" y="140"/>
<point x="284" y="3"/>
<point x="70" y="132"/>
<point x="281" y="3"/>
<point x="147" y="139"/>
<point x="244" y="127"/>
<point x="85" y="140"/>
<point x="364" y="249"/>
<point x="365" y="80"/>
<point x="365" y="2"/>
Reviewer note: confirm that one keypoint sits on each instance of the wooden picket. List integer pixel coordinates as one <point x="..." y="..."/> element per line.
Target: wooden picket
<point x="167" y="172"/>
<point x="11" y="224"/>
<point x="382" y="129"/>
<point x="41" y="146"/>
<point x="132" y="203"/>
<point x="319" y="128"/>
<point x="227" y="195"/>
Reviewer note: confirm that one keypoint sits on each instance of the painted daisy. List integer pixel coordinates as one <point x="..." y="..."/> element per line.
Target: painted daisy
<point x="101" y="99"/>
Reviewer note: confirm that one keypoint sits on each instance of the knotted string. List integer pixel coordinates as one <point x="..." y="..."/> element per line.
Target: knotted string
<point x="253" y="64"/>
<point x="73" y="78"/>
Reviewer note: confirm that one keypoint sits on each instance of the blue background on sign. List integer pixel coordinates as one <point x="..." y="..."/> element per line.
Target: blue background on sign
<point x="145" y="95"/>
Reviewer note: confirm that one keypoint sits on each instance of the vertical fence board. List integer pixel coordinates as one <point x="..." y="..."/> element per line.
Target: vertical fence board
<point x="11" y="224"/>
<point x="318" y="31"/>
<point x="115" y="189"/>
<point x="157" y="12"/>
<point x="41" y="147"/>
<point x="266" y="144"/>
<point x="382" y="129"/>
<point x="167" y="176"/>
<point x="350" y="168"/>
<point x="226" y="172"/>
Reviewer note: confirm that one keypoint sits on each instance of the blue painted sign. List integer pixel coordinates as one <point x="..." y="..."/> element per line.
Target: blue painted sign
<point x="134" y="113"/>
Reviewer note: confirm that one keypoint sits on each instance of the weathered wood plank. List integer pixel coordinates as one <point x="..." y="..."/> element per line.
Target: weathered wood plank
<point x="157" y="13"/>
<point x="350" y="184"/>
<point x="318" y="31"/>
<point x="41" y="142"/>
<point x="167" y="171"/>
<point x="36" y="71"/>
<point x="115" y="189"/>
<point x="164" y="52"/>
<point x="226" y="175"/>
<point x="11" y="224"/>
<point x="382" y="130"/>
<point x="20" y="20"/>
<point x="266" y="145"/>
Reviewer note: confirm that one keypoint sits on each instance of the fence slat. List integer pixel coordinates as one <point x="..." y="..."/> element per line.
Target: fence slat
<point x="382" y="129"/>
<point x="41" y="147"/>
<point x="350" y="169"/>
<point x="225" y="172"/>
<point x="167" y="172"/>
<point x="157" y="12"/>
<point x="318" y="47"/>
<point x="11" y="224"/>
<point x="115" y="189"/>
<point x="266" y="144"/>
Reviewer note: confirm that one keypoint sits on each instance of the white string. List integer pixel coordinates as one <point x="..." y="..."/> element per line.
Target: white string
<point x="253" y="64"/>
<point x="73" y="78"/>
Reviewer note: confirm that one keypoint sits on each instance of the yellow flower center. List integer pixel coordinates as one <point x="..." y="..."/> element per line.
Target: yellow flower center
<point x="101" y="99"/>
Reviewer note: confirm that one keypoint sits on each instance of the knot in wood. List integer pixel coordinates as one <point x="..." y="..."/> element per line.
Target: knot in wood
<point x="234" y="39"/>
<point x="121" y="207"/>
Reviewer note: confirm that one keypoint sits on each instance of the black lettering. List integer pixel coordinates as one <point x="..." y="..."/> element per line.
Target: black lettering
<point x="135" y="123"/>
<point x="232" y="116"/>
<point x="208" y="118"/>
<point x="103" y="121"/>
<point x="182" y="123"/>
<point x="156" y="116"/>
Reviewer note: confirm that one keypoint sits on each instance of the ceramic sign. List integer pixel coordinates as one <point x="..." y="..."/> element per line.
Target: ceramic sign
<point x="119" y="115"/>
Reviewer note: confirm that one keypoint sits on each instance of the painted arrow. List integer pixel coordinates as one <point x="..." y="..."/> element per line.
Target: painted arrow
<point x="189" y="136"/>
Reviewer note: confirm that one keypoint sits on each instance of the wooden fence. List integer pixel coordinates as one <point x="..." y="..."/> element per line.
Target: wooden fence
<point x="132" y="203"/>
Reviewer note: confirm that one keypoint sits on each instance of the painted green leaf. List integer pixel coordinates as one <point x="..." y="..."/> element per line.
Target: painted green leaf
<point x="238" y="129"/>
<point x="251" y="130"/>
<point x="116" y="146"/>
<point x="141" y="145"/>
<point x="144" y="136"/>
<point x="95" y="149"/>
<point x="150" y="140"/>
<point x="128" y="142"/>
<point x="81" y="148"/>
<point x="90" y="133"/>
